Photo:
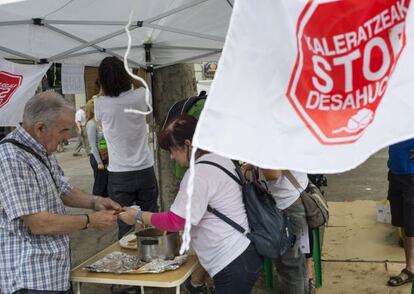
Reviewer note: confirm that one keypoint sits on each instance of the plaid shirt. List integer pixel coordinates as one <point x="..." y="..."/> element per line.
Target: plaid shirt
<point x="27" y="261"/>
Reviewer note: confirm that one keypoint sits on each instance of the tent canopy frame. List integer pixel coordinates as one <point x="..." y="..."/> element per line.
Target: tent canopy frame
<point x="147" y="45"/>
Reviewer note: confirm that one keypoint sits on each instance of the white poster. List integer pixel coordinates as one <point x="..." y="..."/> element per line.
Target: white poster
<point x="314" y="86"/>
<point x="73" y="80"/>
<point x="18" y="83"/>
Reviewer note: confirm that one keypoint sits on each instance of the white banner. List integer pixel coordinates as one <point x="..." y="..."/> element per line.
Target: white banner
<point x="315" y="86"/>
<point x="73" y="80"/>
<point x="18" y="83"/>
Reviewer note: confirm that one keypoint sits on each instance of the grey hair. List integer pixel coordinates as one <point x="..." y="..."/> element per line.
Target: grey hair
<point x="44" y="107"/>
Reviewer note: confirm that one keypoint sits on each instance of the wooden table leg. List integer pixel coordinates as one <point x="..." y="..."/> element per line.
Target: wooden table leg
<point x="78" y="287"/>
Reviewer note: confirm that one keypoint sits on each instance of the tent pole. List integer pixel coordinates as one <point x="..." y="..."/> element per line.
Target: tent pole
<point x="15" y="22"/>
<point x="88" y="44"/>
<point x="98" y="48"/>
<point x="147" y="48"/>
<point x="161" y="47"/>
<point x="124" y="47"/>
<point x="62" y="32"/>
<point x="22" y="55"/>
<point x="182" y="32"/>
<point x="184" y="48"/>
<point x="149" y="70"/>
<point x="85" y="22"/>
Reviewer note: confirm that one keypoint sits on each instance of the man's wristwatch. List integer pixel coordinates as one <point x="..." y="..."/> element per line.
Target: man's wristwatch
<point x="88" y="221"/>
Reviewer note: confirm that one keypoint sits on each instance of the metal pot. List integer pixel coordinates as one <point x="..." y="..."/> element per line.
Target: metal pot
<point x="153" y="243"/>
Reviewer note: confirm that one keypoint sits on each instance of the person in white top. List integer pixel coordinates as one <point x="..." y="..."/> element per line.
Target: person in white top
<point x="131" y="178"/>
<point x="80" y="120"/>
<point x="228" y="256"/>
<point x="291" y="269"/>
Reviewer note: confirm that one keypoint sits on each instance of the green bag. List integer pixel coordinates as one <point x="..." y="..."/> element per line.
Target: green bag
<point x="103" y="150"/>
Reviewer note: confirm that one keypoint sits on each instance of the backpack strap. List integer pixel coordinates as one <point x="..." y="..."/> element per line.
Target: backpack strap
<point x="31" y="151"/>
<point x="292" y="179"/>
<point x="236" y="179"/>
<point x="227" y="220"/>
<point x="218" y="213"/>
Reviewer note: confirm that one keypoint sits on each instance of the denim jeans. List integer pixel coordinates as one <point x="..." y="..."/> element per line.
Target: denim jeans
<point x="134" y="187"/>
<point x="28" y="291"/>
<point x="291" y="267"/>
<point x="241" y="274"/>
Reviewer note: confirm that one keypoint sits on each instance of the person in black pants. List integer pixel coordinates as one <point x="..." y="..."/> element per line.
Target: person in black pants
<point x="131" y="178"/>
<point x="100" y="174"/>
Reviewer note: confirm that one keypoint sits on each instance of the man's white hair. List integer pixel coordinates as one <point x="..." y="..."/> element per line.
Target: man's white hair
<point x="45" y="107"/>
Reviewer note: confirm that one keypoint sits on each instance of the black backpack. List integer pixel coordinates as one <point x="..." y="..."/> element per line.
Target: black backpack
<point x="269" y="226"/>
<point x="182" y="106"/>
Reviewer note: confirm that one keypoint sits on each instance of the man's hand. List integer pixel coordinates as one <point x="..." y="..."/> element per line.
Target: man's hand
<point x="107" y="204"/>
<point x="101" y="166"/>
<point x="129" y="215"/>
<point x="101" y="219"/>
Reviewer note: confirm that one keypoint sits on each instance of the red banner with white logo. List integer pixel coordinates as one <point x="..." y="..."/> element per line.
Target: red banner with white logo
<point x="18" y="83"/>
<point x="342" y="70"/>
<point x="315" y="86"/>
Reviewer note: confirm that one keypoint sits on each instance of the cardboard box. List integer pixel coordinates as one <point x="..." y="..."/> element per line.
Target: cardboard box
<point x="384" y="212"/>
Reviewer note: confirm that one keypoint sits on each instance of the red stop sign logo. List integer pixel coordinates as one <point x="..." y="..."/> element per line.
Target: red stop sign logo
<point x="347" y="51"/>
<point x="8" y="85"/>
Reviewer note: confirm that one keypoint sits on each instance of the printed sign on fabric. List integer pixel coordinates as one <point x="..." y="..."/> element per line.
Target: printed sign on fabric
<point x="8" y="85"/>
<point x="329" y="83"/>
<point x="18" y="83"/>
<point x="342" y="69"/>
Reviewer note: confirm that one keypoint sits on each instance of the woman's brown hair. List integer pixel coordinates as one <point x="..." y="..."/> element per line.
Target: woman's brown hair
<point x="177" y="131"/>
<point x="89" y="110"/>
<point x="113" y="77"/>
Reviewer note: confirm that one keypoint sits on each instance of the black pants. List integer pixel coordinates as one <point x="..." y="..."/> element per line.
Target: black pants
<point x="100" y="185"/>
<point x="134" y="187"/>
<point x="401" y="197"/>
<point x="241" y="274"/>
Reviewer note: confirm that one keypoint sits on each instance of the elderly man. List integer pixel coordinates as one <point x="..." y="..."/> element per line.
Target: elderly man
<point x="34" y="228"/>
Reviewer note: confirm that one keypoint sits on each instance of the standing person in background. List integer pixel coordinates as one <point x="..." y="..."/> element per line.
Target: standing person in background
<point x="401" y="197"/>
<point x="291" y="269"/>
<point x="131" y="173"/>
<point x="80" y="120"/>
<point x="100" y="174"/>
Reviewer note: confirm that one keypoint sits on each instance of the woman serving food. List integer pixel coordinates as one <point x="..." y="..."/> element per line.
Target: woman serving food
<point x="228" y="256"/>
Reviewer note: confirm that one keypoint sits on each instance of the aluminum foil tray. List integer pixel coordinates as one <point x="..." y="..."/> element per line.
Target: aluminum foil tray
<point x="121" y="263"/>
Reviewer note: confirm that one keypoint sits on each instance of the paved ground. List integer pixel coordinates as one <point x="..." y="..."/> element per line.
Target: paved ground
<point x="365" y="182"/>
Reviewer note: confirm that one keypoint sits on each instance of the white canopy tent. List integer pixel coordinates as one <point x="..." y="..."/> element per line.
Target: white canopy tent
<point x="164" y="32"/>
